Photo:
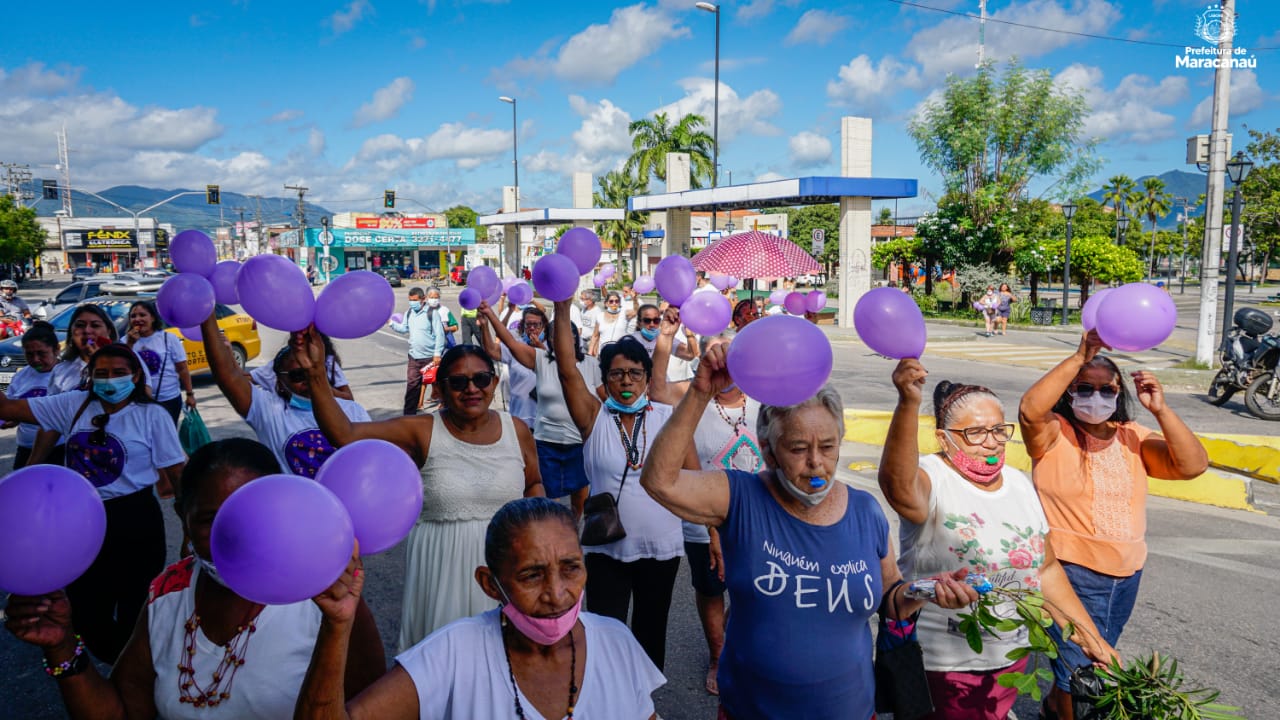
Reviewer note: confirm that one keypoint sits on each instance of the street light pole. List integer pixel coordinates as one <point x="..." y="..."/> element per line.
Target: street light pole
<point x="1122" y="222"/>
<point x="715" y="120"/>
<point x="515" y="188"/>
<point x="1068" y="211"/>
<point x="1237" y="169"/>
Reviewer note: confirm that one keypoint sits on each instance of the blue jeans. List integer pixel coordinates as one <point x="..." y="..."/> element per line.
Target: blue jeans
<point x="1109" y="601"/>
<point x="562" y="468"/>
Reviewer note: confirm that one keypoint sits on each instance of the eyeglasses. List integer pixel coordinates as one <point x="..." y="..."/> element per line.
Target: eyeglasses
<point x="534" y="325"/>
<point x="99" y="434"/>
<point x="458" y="383"/>
<point x="651" y="321"/>
<point x="978" y="435"/>
<point x="1085" y="390"/>
<point x="296" y="375"/>
<point x="616" y="375"/>
<point x="613" y="302"/>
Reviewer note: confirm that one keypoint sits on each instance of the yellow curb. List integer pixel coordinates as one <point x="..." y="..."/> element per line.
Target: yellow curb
<point x="1228" y="452"/>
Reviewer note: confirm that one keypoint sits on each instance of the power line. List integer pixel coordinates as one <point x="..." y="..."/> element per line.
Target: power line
<point x="988" y="18"/>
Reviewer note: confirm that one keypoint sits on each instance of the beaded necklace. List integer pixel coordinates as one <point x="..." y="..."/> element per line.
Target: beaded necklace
<point x="232" y="660"/>
<point x="573" y="677"/>
<point x="738" y="424"/>
<point x="634" y="450"/>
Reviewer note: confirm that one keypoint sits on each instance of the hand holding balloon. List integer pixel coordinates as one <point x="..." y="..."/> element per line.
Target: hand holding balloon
<point x="42" y="620"/>
<point x="713" y="377"/>
<point x="340" y="602"/>
<point x="909" y="378"/>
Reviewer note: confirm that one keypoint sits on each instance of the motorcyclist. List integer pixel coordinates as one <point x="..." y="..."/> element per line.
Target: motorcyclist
<point x="14" y="312"/>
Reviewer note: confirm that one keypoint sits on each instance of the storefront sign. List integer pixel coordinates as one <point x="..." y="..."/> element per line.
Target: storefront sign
<point x="395" y="223"/>
<point x="433" y="238"/>
<point x="99" y="240"/>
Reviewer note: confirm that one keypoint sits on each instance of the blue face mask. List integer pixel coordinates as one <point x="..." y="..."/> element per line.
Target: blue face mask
<point x="300" y="403"/>
<point x="113" y="389"/>
<point x="649" y="334"/>
<point x="633" y="408"/>
<point x="415" y="306"/>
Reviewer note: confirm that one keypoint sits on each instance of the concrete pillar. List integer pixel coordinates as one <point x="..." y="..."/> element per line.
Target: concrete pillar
<point x="510" y="235"/>
<point x="679" y="179"/>
<point x="854" y="274"/>
<point x="582" y="197"/>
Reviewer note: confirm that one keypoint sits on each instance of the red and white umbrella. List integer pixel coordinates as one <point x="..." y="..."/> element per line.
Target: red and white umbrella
<point x="756" y="255"/>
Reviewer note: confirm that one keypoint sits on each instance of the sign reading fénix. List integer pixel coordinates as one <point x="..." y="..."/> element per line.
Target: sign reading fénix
<point x="1213" y="26"/>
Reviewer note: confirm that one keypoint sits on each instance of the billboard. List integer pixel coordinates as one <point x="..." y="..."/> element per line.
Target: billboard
<point x="395" y="223"/>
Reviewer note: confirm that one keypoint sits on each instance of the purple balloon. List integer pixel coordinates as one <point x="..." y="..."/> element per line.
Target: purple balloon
<point x="815" y="301"/>
<point x="890" y="323"/>
<point x="223" y="279"/>
<point x="733" y="282"/>
<point x="469" y="299"/>
<point x="644" y="285"/>
<point x="675" y="278"/>
<point x="555" y="276"/>
<point x="266" y="555"/>
<point x="380" y="487"/>
<point x="582" y="246"/>
<point x="520" y="293"/>
<point x="599" y="280"/>
<point x="706" y="313"/>
<point x="354" y="305"/>
<point x="192" y="252"/>
<point x="780" y="359"/>
<point x="484" y="280"/>
<point x="275" y="292"/>
<point x="52" y="524"/>
<point x="192" y="333"/>
<point x="777" y="297"/>
<point x="185" y="299"/>
<point x="1089" y="313"/>
<point x="508" y="281"/>
<point x="794" y="303"/>
<point x="1136" y="317"/>
<point x="720" y="282"/>
<point x="608" y="270"/>
<point x="397" y="318"/>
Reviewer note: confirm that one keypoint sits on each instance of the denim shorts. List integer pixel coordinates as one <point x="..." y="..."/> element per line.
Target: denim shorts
<point x="563" y="472"/>
<point x="705" y="581"/>
<point x="1109" y="601"/>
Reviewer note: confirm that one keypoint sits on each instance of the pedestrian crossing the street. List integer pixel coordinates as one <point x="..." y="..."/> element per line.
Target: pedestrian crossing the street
<point x="1036" y="356"/>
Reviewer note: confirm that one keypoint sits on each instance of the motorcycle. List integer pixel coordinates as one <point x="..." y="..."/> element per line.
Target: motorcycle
<point x="12" y="326"/>
<point x="1249" y="358"/>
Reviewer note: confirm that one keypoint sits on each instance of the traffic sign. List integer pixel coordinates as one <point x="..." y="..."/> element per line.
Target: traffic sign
<point x="819" y="240"/>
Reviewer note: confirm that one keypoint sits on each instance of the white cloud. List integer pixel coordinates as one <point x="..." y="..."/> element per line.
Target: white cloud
<point x="952" y="45"/>
<point x="816" y="27"/>
<point x="344" y="20"/>
<point x="770" y="176"/>
<point x="755" y="9"/>
<point x="34" y="79"/>
<point x="738" y="115"/>
<point x="1130" y="112"/>
<point x="601" y="143"/>
<point x="386" y="102"/>
<point x="284" y="116"/>
<point x="868" y="86"/>
<point x="316" y="141"/>
<point x="1246" y="96"/>
<point x="809" y="149"/>
<point x="468" y="147"/>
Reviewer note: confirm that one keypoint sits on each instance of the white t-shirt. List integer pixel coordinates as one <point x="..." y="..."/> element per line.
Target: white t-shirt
<point x="999" y="533"/>
<point x="140" y="438"/>
<point x="158" y="353"/>
<point x="265" y="378"/>
<point x="725" y="445"/>
<point x="69" y="374"/>
<point x="461" y="671"/>
<point x="586" y="321"/>
<point x="553" y="422"/>
<point x="612" y="332"/>
<point x="293" y="434"/>
<point x="520" y="381"/>
<point x="29" y="383"/>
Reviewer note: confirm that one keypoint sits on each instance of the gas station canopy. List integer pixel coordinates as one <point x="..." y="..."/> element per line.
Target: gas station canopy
<point x="775" y="193"/>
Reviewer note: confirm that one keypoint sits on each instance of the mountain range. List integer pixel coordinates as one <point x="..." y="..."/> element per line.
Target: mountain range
<point x="1179" y="184"/>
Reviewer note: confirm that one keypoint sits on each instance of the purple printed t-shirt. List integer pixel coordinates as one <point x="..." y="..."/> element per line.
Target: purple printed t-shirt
<point x="293" y="434"/>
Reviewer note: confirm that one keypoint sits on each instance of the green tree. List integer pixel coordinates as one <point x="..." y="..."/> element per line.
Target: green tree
<point x="461" y="216"/>
<point x="1095" y="258"/>
<point x="1261" y="196"/>
<point x="1154" y="202"/>
<point x="653" y="138"/>
<point x="885" y="217"/>
<point x="614" y="190"/>
<point x="900" y="250"/>
<point x="989" y="136"/>
<point x="802" y="221"/>
<point x="21" y="237"/>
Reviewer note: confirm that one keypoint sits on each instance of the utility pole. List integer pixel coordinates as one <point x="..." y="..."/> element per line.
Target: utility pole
<point x="301" y="215"/>
<point x="243" y="233"/>
<point x="1212" y="251"/>
<point x="17" y="178"/>
<point x="64" y="164"/>
<point x="1186" y="220"/>
<point x="982" y="32"/>
<point x="257" y="216"/>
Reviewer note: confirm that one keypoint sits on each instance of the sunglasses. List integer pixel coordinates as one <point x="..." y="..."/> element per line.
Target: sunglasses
<point x="99" y="434"/>
<point x="296" y="375"/>
<point x="1085" y="390"/>
<point x="614" y="302"/>
<point x="651" y="321"/>
<point x="458" y="383"/>
<point x="978" y="435"/>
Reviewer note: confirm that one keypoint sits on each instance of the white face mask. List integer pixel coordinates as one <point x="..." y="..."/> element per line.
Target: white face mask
<point x="1094" y="409"/>
<point x="811" y="499"/>
<point x="433" y="302"/>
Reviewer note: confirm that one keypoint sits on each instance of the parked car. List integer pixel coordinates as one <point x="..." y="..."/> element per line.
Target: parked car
<point x="83" y="273"/>
<point x="132" y="283"/>
<point x="392" y="275"/>
<point x="240" y="329"/>
<point x="70" y="296"/>
<point x="458" y="275"/>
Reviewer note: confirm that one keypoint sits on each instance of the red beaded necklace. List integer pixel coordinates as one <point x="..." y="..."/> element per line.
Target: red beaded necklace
<point x="738" y="424"/>
<point x="223" y="676"/>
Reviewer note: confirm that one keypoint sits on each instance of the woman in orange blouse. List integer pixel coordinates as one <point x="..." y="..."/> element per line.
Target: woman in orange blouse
<point x="1090" y="466"/>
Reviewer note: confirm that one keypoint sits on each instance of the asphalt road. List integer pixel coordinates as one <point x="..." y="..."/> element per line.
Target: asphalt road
<point x="1206" y="591"/>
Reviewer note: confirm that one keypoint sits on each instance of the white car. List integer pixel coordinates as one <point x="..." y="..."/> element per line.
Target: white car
<point x="817" y="280"/>
<point x="132" y="283"/>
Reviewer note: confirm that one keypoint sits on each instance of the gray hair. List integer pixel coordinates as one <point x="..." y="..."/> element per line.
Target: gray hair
<point x="433" y="290"/>
<point x="950" y="398"/>
<point x="515" y="516"/>
<point x="769" y="421"/>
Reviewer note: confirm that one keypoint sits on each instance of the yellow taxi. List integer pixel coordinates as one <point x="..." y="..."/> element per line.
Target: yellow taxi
<point x="241" y="331"/>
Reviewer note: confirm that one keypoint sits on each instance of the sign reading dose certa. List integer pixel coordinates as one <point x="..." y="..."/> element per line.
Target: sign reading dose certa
<point x="403" y="239"/>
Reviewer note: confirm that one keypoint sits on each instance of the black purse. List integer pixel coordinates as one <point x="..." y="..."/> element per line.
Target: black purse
<point x="902" y="688"/>
<point x="601" y="523"/>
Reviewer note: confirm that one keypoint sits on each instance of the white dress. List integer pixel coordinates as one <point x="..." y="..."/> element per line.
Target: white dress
<point x="463" y="485"/>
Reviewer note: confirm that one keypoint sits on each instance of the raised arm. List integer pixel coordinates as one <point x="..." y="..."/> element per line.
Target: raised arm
<point x="1035" y="413"/>
<point x="903" y="483"/>
<point x="1178" y="455"/>
<point x="696" y="496"/>
<point x="581" y="400"/>
<point x="16" y="411"/>
<point x="660" y="389"/>
<point x="486" y="340"/>
<point x="234" y="384"/>
<point x="522" y="352"/>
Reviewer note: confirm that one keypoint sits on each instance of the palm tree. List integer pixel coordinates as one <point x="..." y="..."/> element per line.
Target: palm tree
<point x="652" y="138"/>
<point x="1120" y="192"/>
<point x="1153" y="203"/>
<point x="615" y="188"/>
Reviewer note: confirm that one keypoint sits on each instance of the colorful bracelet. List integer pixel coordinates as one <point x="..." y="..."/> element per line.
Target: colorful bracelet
<point x="71" y="666"/>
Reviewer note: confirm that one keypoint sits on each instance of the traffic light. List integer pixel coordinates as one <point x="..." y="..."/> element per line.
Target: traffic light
<point x="50" y="189"/>
<point x="389" y="199"/>
<point x="212" y="195"/>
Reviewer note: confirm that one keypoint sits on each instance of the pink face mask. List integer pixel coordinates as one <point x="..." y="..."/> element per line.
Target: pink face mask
<point x="544" y="631"/>
<point x="982" y="472"/>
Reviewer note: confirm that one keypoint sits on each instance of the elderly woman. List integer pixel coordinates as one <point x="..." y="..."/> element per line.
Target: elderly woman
<point x="522" y="380"/>
<point x="163" y="354"/>
<point x="1090" y="466"/>
<point x="473" y="460"/>
<point x="537" y="657"/>
<point x="123" y="443"/>
<point x="617" y="437"/>
<point x="172" y="665"/>
<point x="963" y="504"/>
<point x="612" y="324"/>
<point x="807" y="559"/>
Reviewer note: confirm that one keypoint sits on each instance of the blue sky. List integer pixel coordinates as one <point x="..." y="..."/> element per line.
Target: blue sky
<point x="350" y="98"/>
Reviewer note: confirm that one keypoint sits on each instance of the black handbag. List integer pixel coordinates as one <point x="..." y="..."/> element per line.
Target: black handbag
<point x="601" y="523"/>
<point x="902" y="688"/>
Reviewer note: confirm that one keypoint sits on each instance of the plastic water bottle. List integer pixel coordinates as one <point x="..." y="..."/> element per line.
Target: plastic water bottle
<point x="927" y="589"/>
